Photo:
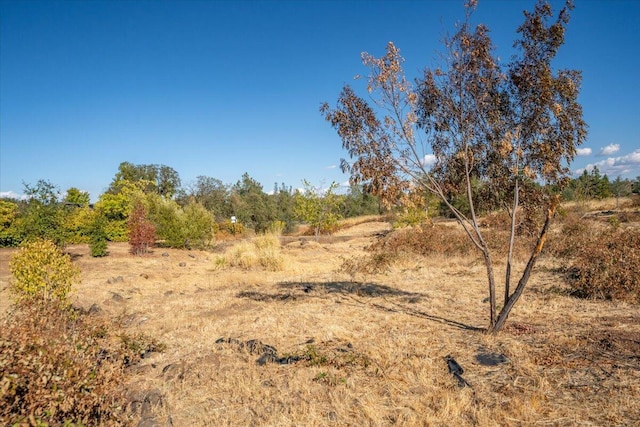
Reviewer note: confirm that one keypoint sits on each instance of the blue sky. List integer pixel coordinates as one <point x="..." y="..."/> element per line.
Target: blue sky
<point x="220" y="88"/>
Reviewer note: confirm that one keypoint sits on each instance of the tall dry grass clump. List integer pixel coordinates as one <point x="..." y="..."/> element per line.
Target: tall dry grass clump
<point x="262" y="251"/>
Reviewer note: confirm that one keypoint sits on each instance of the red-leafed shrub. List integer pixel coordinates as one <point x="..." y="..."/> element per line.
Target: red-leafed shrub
<point x="142" y="233"/>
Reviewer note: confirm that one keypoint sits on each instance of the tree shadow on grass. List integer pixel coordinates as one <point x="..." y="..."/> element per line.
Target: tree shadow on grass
<point x="295" y="291"/>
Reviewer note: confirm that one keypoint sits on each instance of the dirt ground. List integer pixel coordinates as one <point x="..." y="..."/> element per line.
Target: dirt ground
<point x="310" y="345"/>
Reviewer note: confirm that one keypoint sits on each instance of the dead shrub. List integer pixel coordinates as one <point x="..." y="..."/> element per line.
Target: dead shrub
<point x="425" y="240"/>
<point x="571" y="237"/>
<point x="606" y="265"/>
<point x="59" y="367"/>
<point x="376" y="263"/>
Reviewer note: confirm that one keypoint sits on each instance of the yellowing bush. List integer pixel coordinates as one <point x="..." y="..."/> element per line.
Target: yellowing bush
<point x="42" y="271"/>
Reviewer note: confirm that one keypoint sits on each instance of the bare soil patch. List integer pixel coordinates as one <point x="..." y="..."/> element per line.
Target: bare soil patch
<point x="309" y="345"/>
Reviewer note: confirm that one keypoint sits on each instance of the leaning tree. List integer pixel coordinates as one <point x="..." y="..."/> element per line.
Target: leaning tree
<point x="513" y="127"/>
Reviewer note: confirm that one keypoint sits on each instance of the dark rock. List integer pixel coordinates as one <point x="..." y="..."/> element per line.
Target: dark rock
<point x="117" y="297"/>
<point x="94" y="309"/>
<point x="183" y="264"/>
<point x="173" y="371"/>
<point x="152" y="400"/>
<point x="151" y="422"/>
<point x="165" y="254"/>
<point x="491" y="359"/>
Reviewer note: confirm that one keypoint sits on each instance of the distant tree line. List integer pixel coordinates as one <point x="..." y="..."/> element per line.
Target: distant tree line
<point x="182" y="215"/>
<point x="594" y="185"/>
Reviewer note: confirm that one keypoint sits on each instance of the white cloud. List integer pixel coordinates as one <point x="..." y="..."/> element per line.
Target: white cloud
<point x="583" y="151"/>
<point x="609" y="150"/>
<point x="628" y="164"/>
<point x="429" y="160"/>
<point x="12" y="195"/>
<point x="331" y="167"/>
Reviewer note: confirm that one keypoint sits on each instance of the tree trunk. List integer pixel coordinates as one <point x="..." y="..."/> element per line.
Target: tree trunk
<point x="506" y="310"/>
<point x="492" y="287"/>
<point x="514" y="211"/>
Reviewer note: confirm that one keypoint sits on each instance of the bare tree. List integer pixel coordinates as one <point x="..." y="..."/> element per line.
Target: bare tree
<point x="513" y="128"/>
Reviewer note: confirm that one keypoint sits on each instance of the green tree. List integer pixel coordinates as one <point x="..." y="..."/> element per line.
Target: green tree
<point x="284" y="201"/>
<point x="502" y="126"/>
<point x="635" y="186"/>
<point x="210" y="193"/>
<point x="358" y="202"/>
<point x="251" y="205"/>
<point x="78" y="198"/>
<point x="319" y="208"/>
<point x="620" y="188"/>
<point x="43" y="217"/>
<point x="159" y="179"/>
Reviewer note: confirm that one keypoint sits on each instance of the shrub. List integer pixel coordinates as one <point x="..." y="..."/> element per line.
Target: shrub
<point x="410" y="217"/>
<point x="77" y="222"/>
<point x="98" y="237"/>
<point x="142" y="233"/>
<point x="42" y="271"/>
<point x="59" y="367"/>
<point x="9" y="230"/>
<point x="227" y="228"/>
<point x="376" y="263"/>
<point x="117" y="230"/>
<point x="198" y="225"/>
<point x="425" y="240"/>
<point x="606" y="265"/>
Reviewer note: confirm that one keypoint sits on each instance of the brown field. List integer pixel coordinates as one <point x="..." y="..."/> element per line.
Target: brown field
<point x="372" y="348"/>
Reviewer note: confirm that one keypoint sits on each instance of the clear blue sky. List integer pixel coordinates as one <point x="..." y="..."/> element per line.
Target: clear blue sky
<point x="219" y="88"/>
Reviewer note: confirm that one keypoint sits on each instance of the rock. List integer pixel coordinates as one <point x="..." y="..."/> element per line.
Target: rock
<point x="152" y="400"/>
<point x="151" y="422"/>
<point x="94" y="309"/>
<point x="117" y="297"/>
<point x="165" y="254"/>
<point x="183" y="264"/>
<point x="173" y="371"/>
<point x="491" y="359"/>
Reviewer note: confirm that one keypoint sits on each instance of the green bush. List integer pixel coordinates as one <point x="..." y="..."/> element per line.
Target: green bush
<point x="98" y="237"/>
<point x="42" y="271"/>
<point x="176" y="227"/>
<point x="9" y="233"/>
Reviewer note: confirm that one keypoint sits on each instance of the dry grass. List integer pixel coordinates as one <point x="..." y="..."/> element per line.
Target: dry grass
<point x="371" y="348"/>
